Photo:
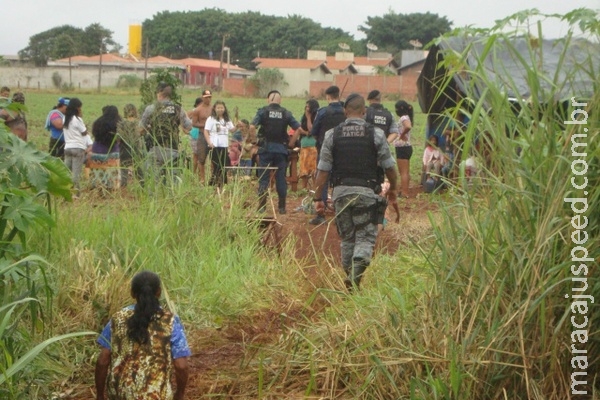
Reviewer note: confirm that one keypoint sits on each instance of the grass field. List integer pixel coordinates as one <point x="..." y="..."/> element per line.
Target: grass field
<point x="472" y="305"/>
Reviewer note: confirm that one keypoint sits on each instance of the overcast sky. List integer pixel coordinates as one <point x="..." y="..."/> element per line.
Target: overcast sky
<point x="24" y="18"/>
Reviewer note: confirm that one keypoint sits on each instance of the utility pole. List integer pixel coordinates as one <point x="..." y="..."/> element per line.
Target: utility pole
<point x="146" y="60"/>
<point x="225" y="35"/>
<point x="100" y="65"/>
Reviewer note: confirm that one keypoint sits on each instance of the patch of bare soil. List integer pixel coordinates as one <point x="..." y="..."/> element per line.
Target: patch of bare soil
<point x="218" y="367"/>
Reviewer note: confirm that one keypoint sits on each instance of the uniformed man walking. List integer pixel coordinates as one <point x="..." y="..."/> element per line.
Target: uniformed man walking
<point x="353" y="151"/>
<point x="327" y="118"/>
<point x="381" y="117"/>
<point x="273" y="143"/>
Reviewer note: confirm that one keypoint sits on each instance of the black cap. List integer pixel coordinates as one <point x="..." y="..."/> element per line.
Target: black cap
<point x="374" y="94"/>
<point x="351" y="98"/>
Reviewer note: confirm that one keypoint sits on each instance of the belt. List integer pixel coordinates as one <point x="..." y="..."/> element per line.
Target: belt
<point x="371" y="184"/>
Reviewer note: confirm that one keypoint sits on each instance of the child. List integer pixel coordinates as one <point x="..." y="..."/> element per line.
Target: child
<point x="248" y="144"/>
<point x="433" y="161"/>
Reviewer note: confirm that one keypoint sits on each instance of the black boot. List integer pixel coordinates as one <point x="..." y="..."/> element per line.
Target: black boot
<point x="282" y="205"/>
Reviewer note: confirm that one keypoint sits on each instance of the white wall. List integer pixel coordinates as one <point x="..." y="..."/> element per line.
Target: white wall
<point x="85" y="78"/>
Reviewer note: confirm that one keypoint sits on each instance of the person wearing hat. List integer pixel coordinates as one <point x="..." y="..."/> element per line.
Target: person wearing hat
<point x="273" y="146"/>
<point x="351" y="153"/>
<point x="380" y="116"/>
<point x="54" y="124"/>
<point x="199" y="115"/>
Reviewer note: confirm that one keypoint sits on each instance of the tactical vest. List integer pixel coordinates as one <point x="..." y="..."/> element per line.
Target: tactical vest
<point x="355" y="156"/>
<point x="273" y="125"/>
<point x="380" y="117"/>
<point x="164" y="125"/>
<point x="332" y="118"/>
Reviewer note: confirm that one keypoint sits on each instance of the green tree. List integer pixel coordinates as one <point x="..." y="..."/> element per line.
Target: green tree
<point x="94" y="38"/>
<point x="248" y="35"/>
<point x="66" y="40"/>
<point x="393" y="32"/>
<point x="42" y="46"/>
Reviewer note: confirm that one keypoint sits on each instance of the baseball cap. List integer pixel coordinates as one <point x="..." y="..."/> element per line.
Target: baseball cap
<point x="373" y="94"/>
<point x="206" y="93"/>
<point x="63" y="101"/>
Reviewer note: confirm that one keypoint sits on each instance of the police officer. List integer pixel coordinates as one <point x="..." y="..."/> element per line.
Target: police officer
<point x="379" y="116"/>
<point x="353" y="151"/>
<point x="161" y="122"/>
<point x="327" y="118"/>
<point x="273" y="142"/>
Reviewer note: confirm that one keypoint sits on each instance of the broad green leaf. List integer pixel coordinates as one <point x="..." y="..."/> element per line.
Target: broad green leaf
<point x="33" y="353"/>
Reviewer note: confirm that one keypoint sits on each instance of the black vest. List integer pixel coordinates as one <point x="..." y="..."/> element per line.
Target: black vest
<point x="332" y="118"/>
<point x="354" y="155"/>
<point x="274" y="122"/>
<point x="380" y="117"/>
<point x="164" y="125"/>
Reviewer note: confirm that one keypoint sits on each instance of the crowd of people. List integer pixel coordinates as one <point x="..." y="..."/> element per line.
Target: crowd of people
<point x="112" y="151"/>
<point x="122" y="146"/>
<point x="360" y="150"/>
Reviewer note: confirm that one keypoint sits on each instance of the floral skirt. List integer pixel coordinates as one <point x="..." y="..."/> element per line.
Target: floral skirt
<point x="308" y="161"/>
<point x="105" y="170"/>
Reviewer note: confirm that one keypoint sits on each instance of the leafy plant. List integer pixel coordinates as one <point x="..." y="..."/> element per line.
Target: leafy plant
<point x="166" y="75"/>
<point x="28" y="180"/>
<point x="28" y="177"/>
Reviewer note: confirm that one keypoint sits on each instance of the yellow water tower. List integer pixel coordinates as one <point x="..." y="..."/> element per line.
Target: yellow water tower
<point x="135" y="40"/>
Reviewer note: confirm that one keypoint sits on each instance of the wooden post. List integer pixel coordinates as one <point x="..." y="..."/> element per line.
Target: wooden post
<point x="100" y="65"/>
<point x="292" y="179"/>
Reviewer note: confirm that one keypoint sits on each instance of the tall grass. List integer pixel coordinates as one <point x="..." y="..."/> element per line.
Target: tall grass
<point x="476" y="311"/>
<point x="493" y="322"/>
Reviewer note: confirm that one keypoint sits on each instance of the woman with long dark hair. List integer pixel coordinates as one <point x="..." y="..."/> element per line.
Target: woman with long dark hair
<point x="76" y="139"/>
<point x="141" y="345"/>
<point x="308" y="144"/>
<point x="402" y="144"/>
<point x="216" y="132"/>
<point x="105" y="165"/>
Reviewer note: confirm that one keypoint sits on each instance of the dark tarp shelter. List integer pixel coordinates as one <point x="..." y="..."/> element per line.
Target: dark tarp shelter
<point x="573" y="70"/>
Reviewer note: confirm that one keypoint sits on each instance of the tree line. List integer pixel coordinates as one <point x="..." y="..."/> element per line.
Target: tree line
<point x="249" y="34"/>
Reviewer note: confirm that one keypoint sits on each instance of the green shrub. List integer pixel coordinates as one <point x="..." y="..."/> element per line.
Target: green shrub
<point x="166" y="75"/>
<point x="57" y="80"/>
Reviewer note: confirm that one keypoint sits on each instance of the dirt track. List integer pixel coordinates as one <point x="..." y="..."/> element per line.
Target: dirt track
<point x="216" y="367"/>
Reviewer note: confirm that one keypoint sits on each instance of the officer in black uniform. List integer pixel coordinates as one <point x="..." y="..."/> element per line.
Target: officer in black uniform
<point x="380" y="116"/>
<point x="327" y="117"/>
<point x="273" y="143"/>
<point x="354" y="150"/>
